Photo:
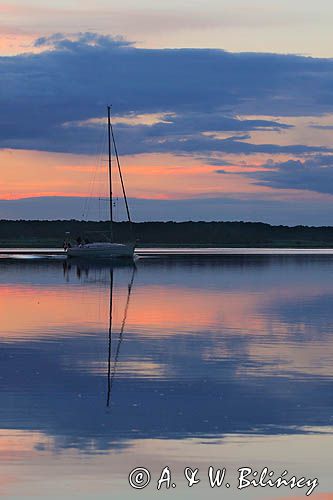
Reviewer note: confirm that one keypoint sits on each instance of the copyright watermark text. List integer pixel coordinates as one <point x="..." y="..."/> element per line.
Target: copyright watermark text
<point x="140" y="477"/>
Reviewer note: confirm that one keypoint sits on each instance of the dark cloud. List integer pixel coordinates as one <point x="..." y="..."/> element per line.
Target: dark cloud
<point x="59" y="42"/>
<point x="323" y="127"/>
<point x="177" y="133"/>
<point x="205" y="90"/>
<point x="174" y="138"/>
<point x="314" y="174"/>
<point x="289" y="212"/>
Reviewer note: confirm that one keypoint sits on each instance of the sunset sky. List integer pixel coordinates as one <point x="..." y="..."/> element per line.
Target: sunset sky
<point x="222" y="110"/>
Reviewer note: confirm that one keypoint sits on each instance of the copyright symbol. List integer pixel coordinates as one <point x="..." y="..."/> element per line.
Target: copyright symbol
<point x="139" y="478"/>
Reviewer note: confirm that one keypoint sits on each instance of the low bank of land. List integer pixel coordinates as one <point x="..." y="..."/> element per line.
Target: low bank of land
<point x="220" y="234"/>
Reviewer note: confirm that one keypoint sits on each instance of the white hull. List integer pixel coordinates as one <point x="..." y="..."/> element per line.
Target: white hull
<point x="102" y="250"/>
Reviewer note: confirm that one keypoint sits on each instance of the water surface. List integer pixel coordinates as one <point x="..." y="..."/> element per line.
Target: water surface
<point x="222" y="360"/>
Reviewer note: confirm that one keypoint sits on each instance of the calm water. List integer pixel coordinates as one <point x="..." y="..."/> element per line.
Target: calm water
<point x="223" y="361"/>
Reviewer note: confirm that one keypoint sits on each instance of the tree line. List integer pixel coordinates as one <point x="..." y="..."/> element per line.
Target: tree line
<point x="39" y="233"/>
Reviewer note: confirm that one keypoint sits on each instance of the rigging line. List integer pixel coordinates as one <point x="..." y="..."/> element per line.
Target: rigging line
<point x="120" y="173"/>
<point x="101" y="160"/>
<point x="88" y="199"/>
<point x="112" y="374"/>
<point x="99" y="165"/>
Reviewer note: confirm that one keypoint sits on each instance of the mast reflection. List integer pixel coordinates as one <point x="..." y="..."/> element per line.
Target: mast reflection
<point x="83" y="270"/>
<point x="112" y="372"/>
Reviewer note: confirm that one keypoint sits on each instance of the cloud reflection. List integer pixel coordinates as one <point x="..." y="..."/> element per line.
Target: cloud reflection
<point x="210" y="346"/>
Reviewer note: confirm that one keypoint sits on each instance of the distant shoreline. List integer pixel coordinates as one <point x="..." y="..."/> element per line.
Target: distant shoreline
<point x="51" y="234"/>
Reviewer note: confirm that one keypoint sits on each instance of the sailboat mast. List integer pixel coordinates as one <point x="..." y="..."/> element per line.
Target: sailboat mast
<point x="110" y="173"/>
<point x="120" y="175"/>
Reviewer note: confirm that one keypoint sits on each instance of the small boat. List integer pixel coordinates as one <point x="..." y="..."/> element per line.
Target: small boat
<point x="109" y="249"/>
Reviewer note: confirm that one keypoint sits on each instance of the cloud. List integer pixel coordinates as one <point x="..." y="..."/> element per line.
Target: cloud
<point x="322" y="127"/>
<point x="201" y="89"/>
<point x="288" y="212"/>
<point x="314" y="174"/>
<point x="58" y="41"/>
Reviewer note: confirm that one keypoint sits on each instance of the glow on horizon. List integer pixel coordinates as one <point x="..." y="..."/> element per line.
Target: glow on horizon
<point x="159" y="176"/>
<point x="33" y="174"/>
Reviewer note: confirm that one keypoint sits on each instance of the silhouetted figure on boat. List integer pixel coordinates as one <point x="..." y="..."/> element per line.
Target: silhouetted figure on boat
<point x="66" y="244"/>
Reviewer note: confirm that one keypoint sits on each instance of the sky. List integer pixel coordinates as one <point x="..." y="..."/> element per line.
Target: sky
<point x="222" y="110"/>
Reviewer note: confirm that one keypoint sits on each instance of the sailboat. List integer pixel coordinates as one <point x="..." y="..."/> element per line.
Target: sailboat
<point x="111" y="249"/>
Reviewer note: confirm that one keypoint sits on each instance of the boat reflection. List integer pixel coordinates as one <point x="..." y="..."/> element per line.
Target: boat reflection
<point x="81" y="268"/>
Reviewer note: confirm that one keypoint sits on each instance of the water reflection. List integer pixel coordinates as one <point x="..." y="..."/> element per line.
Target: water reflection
<point x="112" y="371"/>
<point x="97" y="358"/>
<point x="82" y="269"/>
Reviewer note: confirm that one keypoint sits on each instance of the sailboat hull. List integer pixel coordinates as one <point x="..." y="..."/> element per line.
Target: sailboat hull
<point x="102" y="250"/>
